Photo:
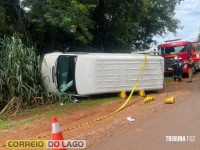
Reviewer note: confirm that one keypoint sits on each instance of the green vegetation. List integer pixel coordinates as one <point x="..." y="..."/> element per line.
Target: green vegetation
<point x="20" y="77"/>
<point x="69" y="25"/>
<point x="100" y="25"/>
<point x="8" y="120"/>
<point x="6" y="124"/>
<point x="21" y="83"/>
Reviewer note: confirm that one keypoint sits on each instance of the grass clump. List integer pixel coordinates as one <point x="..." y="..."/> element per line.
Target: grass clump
<point x="20" y="77"/>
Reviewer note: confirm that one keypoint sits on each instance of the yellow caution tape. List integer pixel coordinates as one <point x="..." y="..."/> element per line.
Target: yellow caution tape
<point x="111" y="114"/>
<point x="122" y="106"/>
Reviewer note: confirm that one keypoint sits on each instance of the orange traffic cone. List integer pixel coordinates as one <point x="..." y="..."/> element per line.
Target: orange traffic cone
<point x="56" y="133"/>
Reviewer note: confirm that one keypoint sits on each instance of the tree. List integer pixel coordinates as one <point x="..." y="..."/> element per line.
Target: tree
<point x="157" y="18"/>
<point x="122" y="24"/>
<point x="113" y="27"/>
<point x="108" y="25"/>
<point x="11" y="17"/>
<point x="58" y="23"/>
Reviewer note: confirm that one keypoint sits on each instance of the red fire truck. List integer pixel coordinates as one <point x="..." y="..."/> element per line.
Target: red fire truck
<point x="180" y="48"/>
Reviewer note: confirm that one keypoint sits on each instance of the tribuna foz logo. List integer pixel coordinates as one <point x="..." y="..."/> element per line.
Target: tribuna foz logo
<point x="180" y="138"/>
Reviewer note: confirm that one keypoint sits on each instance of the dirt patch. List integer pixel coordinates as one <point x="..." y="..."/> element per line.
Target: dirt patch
<point x="104" y="129"/>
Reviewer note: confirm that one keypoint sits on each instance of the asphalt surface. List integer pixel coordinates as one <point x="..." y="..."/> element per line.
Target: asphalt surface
<point x="176" y="128"/>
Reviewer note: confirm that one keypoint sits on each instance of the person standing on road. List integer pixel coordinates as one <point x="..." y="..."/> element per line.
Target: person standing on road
<point x="190" y="64"/>
<point x="177" y="65"/>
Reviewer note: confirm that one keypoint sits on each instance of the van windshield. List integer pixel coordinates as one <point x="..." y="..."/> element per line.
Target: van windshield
<point x="66" y="73"/>
<point x="173" y="50"/>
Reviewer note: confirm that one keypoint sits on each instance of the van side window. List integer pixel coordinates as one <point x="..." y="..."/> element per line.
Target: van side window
<point x="66" y="73"/>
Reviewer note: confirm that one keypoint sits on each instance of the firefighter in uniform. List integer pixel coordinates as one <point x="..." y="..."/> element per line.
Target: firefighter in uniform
<point x="190" y="64"/>
<point x="177" y="66"/>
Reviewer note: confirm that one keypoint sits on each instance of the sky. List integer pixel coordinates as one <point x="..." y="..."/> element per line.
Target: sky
<point x="188" y="12"/>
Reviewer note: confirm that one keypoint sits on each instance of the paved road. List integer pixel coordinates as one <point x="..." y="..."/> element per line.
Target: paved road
<point x="182" y="119"/>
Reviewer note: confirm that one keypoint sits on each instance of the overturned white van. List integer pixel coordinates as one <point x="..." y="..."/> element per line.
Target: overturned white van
<point x="96" y="73"/>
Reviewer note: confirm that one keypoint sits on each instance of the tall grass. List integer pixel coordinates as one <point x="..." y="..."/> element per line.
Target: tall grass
<point x="20" y="77"/>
